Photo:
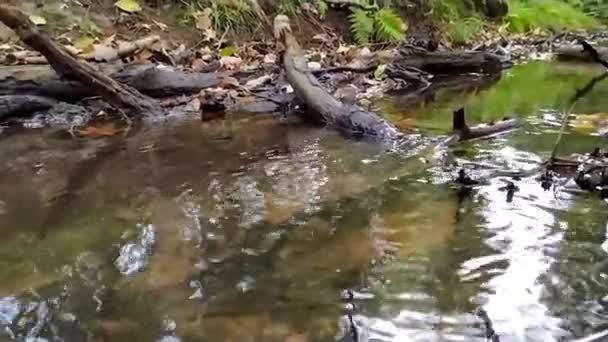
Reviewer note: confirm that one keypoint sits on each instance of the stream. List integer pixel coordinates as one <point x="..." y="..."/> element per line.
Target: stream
<point x="245" y="229"/>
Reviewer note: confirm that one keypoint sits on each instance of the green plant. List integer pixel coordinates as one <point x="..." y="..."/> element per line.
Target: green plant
<point x="458" y="21"/>
<point x="525" y="16"/>
<point x="378" y="25"/>
<point x="461" y="31"/>
<point x="224" y="15"/>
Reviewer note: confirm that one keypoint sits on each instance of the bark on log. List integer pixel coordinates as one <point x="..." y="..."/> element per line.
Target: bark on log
<point x="434" y="62"/>
<point x="577" y="53"/>
<point x="23" y="105"/>
<point x="348" y="119"/>
<point x="64" y="64"/>
<point x="147" y="78"/>
<point x="450" y="62"/>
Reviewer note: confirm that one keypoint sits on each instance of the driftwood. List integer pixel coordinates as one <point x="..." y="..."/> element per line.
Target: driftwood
<point x="348" y="119"/>
<point x="65" y="65"/>
<point x="147" y="78"/>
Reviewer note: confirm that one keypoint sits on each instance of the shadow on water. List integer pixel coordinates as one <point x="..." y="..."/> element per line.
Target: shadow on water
<point x="244" y="230"/>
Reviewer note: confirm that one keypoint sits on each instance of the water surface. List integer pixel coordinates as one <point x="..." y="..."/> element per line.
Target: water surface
<point x="246" y="229"/>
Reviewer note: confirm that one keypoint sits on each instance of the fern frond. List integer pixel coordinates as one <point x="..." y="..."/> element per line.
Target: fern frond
<point x="361" y="25"/>
<point x="388" y="25"/>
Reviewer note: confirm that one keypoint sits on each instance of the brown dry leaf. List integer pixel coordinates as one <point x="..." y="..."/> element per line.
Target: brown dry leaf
<point x="270" y="58"/>
<point x="198" y="65"/>
<point x="231" y="62"/>
<point x="257" y="82"/>
<point x="144" y="55"/>
<point x="405" y="124"/>
<point x="106" y="129"/>
<point x="229" y="82"/>
<point x="109" y="40"/>
<point x="322" y="37"/>
<point x="163" y="27"/>
<point x="193" y="106"/>
<point x="104" y="53"/>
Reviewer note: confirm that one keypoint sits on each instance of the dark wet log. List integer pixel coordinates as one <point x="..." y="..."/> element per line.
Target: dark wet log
<point x="581" y="53"/>
<point x="68" y="67"/>
<point x="434" y="62"/>
<point x="462" y="132"/>
<point x="323" y="107"/>
<point x="450" y="62"/>
<point x="147" y="78"/>
<point x="23" y="105"/>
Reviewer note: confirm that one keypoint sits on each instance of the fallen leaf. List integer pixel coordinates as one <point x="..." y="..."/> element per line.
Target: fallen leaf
<point x="257" y="82"/>
<point x="314" y="65"/>
<point x="107" y="129"/>
<point x="270" y="58"/>
<point x="144" y="55"/>
<point x="379" y="72"/>
<point x="405" y="124"/>
<point x="230" y="82"/>
<point x="322" y="37"/>
<point x="203" y="22"/>
<point x="161" y="26"/>
<point x="198" y="65"/>
<point x="129" y="6"/>
<point x="227" y="51"/>
<point x="193" y="106"/>
<point x="210" y="34"/>
<point x="37" y="20"/>
<point x="83" y="42"/>
<point x="104" y="53"/>
<point x="230" y="62"/>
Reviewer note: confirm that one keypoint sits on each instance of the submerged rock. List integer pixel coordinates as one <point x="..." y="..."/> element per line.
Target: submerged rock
<point x="133" y="256"/>
<point x="9" y="309"/>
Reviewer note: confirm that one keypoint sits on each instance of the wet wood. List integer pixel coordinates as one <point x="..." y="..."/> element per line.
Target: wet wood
<point x="323" y="107"/>
<point x="461" y="131"/>
<point x="147" y="78"/>
<point x="580" y="53"/>
<point x="68" y="67"/>
<point x="23" y="105"/>
<point x="434" y="62"/>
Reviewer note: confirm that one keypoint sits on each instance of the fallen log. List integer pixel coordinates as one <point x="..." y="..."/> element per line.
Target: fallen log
<point x="576" y="53"/>
<point x="147" y="78"/>
<point x="434" y="62"/>
<point x="118" y="95"/>
<point x="23" y="105"/>
<point x="351" y="120"/>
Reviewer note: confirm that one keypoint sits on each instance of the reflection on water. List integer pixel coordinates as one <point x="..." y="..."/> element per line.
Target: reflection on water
<point x="247" y="230"/>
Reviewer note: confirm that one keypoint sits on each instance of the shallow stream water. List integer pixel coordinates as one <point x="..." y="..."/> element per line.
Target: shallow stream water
<point x="246" y="229"/>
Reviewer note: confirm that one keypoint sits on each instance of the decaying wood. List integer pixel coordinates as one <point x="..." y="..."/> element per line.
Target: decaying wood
<point x="146" y="77"/>
<point x="68" y="67"/>
<point x="434" y="62"/>
<point x="349" y="119"/>
<point x="579" y="53"/>
<point x="461" y="131"/>
<point x="23" y="105"/>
